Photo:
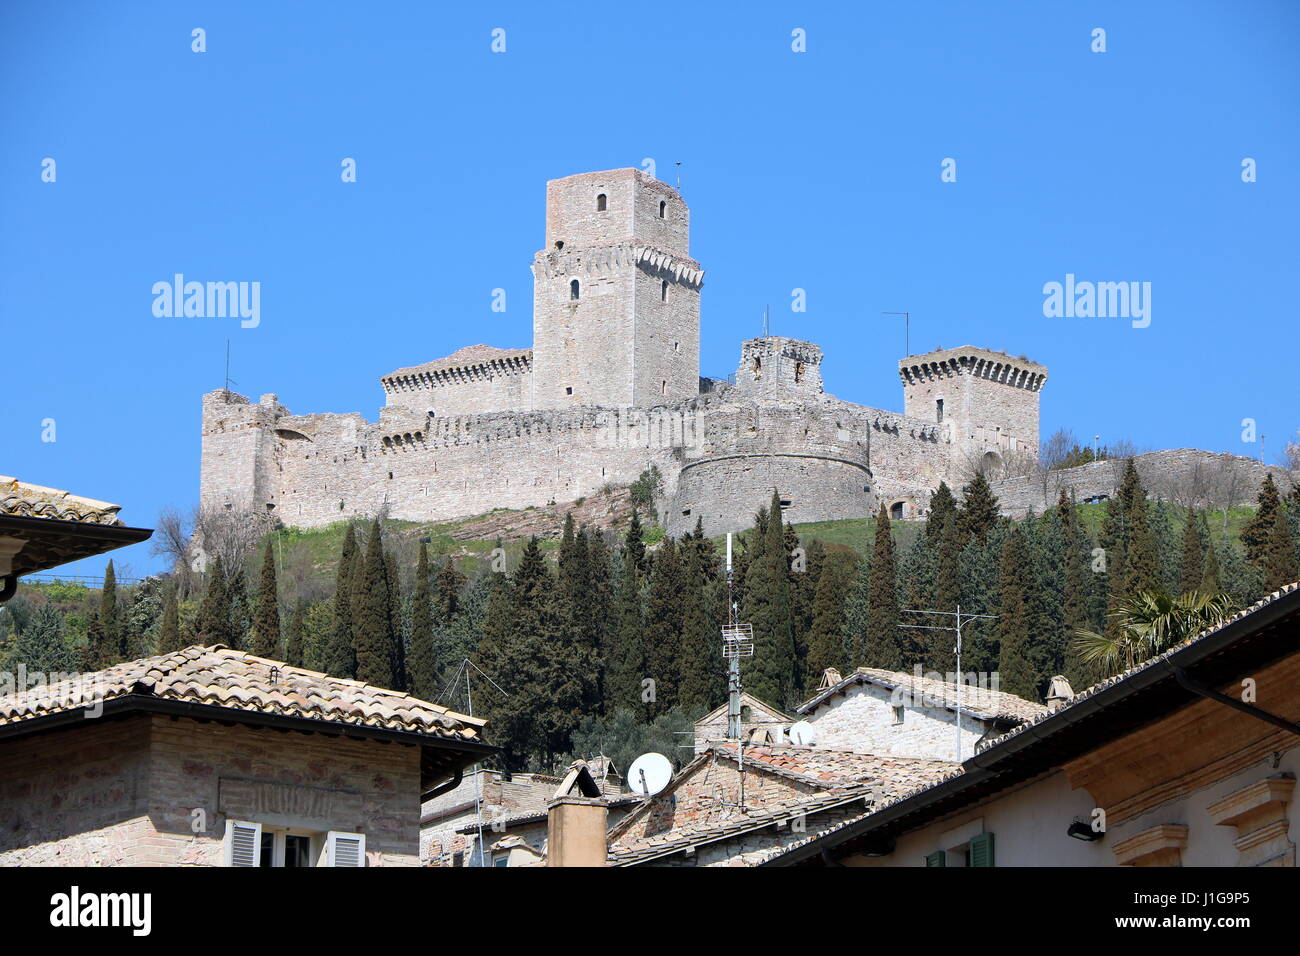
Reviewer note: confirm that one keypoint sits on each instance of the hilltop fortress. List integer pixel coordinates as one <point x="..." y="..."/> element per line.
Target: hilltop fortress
<point x="612" y="386"/>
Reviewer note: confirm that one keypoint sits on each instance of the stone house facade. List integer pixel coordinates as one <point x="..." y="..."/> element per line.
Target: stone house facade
<point x="211" y="757"/>
<point x="910" y="715"/>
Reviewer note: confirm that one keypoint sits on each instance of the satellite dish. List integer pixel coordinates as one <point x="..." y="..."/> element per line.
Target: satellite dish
<point x="649" y="774"/>
<point x="802" y="734"/>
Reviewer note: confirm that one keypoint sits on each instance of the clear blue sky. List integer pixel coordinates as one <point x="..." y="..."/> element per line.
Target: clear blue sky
<point x="816" y="170"/>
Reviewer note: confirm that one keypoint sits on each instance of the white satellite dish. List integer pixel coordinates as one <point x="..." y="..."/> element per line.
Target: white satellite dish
<point x="649" y="774"/>
<point x="802" y="734"/>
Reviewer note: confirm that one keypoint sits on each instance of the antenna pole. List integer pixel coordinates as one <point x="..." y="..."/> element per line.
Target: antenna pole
<point x="733" y="663"/>
<point x="907" y="330"/>
<point x="962" y="618"/>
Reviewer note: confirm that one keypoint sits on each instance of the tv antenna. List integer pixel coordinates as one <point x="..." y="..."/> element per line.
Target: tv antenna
<point x="678" y="164"/>
<point x="737" y="642"/>
<point x="766" y="311"/>
<point x="229" y="381"/>
<point x="962" y="618"/>
<point x="465" y="665"/>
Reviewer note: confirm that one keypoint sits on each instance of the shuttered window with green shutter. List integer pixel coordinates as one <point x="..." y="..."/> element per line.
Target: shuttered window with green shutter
<point x="981" y="850"/>
<point x="937" y="858"/>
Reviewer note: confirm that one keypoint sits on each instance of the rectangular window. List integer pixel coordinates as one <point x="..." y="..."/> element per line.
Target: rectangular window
<point x="898" y="715"/>
<point x="252" y="844"/>
<point x="938" y="410"/>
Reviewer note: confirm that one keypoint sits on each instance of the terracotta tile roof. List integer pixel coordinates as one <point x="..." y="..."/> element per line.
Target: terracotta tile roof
<point x="468" y="356"/>
<point x="34" y="501"/>
<point x="221" y="677"/>
<point x="979" y="702"/>
<point x="841" y="783"/>
<point x="1026" y="727"/>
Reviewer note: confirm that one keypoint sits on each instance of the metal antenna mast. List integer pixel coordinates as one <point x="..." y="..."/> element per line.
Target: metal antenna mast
<point x="464" y="667"/>
<point x="737" y="642"/>
<point x="961" y="619"/>
<point x="229" y="380"/>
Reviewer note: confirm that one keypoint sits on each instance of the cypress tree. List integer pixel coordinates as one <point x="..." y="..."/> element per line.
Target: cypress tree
<point x="1015" y="666"/>
<point x="371" y="623"/>
<point x="1279" y="557"/>
<point x="830" y="603"/>
<point x="423" y="674"/>
<point x="1210" y="565"/>
<point x="397" y="620"/>
<point x="1049" y="635"/>
<point x="266" y="613"/>
<point x="213" y="624"/>
<point x="883" y="647"/>
<point x="295" y="635"/>
<point x="240" y="621"/>
<point x="603" y="602"/>
<point x="663" y="627"/>
<point x="577" y="621"/>
<point x="449" y="585"/>
<point x="773" y="675"/>
<point x="169" y="634"/>
<point x="979" y="511"/>
<point x="1257" y="533"/>
<point x="1167" y="548"/>
<point x="943" y="511"/>
<point x="700" y="654"/>
<point x="339" y="658"/>
<point x="1192" y="569"/>
<point x="1141" y="568"/>
<point x="634" y="542"/>
<point x="110" y="616"/>
<point x="857" y="613"/>
<point x="626" y="660"/>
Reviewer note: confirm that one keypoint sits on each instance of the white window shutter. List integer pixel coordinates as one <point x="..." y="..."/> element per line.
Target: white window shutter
<point x="243" y="843"/>
<point x="345" y="849"/>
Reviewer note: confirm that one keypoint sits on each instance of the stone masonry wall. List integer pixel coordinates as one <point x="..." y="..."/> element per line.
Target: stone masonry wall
<point x="862" y="719"/>
<point x="123" y="792"/>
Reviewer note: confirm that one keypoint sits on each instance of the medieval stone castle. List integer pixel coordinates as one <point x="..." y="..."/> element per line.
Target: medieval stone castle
<point x="611" y="387"/>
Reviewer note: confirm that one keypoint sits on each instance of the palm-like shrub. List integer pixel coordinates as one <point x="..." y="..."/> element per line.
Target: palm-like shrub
<point x="1149" y="624"/>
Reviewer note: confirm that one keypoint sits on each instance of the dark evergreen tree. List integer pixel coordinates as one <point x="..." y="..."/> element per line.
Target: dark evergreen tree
<point x="266" y="613"/>
<point x="424" y="677"/>
<point x="634" y="542"/>
<point x="213" y="625"/>
<point x="662" y="635"/>
<point x="979" y="510"/>
<point x="883" y="647"/>
<point x="371" y="622"/>
<point x="1015" y="665"/>
<point x="169" y="635"/>
<point x="1279" y="565"/>
<point x="625" y="666"/>
<point x="1192" y="567"/>
<point x="295" y="635"/>
<point x="1258" y="531"/>
<point x="700" y="655"/>
<point x="40" y="645"/>
<point x="772" y="674"/>
<point x="830" y="603"/>
<point x="339" y="658"/>
<point x="1210" y="565"/>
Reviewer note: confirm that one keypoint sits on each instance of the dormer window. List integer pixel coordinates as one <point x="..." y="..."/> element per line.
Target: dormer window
<point x="601" y="203"/>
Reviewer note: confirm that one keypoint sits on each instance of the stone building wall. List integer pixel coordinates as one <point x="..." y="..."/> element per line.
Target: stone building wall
<point x="863" y="719"/>
<point x="123" y="792"/>
<point x="472" y="381"/>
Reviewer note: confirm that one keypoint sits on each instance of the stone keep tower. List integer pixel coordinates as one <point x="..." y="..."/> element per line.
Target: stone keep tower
<point x="988" y="401"/>
<point x="774" y="365"/>
<point x="616" y="295"/>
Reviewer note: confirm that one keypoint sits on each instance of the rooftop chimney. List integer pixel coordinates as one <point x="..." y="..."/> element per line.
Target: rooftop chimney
<point x="1058" y="693"/>
<point x="576" y="820"/>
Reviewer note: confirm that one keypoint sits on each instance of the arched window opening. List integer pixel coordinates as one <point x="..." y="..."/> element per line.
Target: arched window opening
<point x="601" y="203"/>
<point x="574" y="290"/>
<point x="559" y="245"/>
<point x="896" y="510"/>
<point x="663" y="291"/>
<point x="663" y="208"/>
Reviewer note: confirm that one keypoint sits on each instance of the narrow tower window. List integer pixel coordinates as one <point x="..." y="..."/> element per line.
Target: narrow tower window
<point x="663" y="291"/>
<point x="600" y="203"/>
<point x="938" y="410"/>
<point x="573" y="290"/>
<point x="663" y="206"/>
<point x="798" y="372"/>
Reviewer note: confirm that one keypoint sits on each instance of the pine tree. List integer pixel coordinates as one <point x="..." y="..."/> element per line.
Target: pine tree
<point x="169" y="635"/>
<point x="943" y="511"/>
<point x="634" y="542"/>
<point x="266" y="614"/>
<point x="1167" y="548"/>
<point x="772" y="672"/>
<point x="371" y="624"/>
<point x="1192" y="569"/>
<point x="979" y="510"/>
<point x="1015" y="665"/>
<point x="41" y="647"/>
<point x="423" y="674"/>
<point x="295" y="635"/>
<point x="339" y="659"/>
<point x="883" y="647"/>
